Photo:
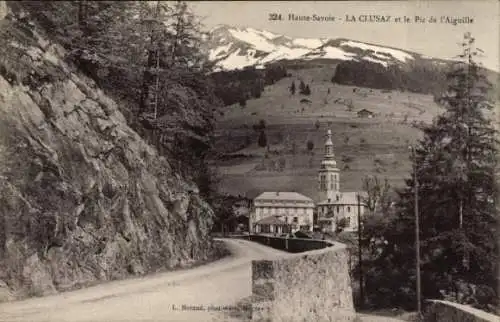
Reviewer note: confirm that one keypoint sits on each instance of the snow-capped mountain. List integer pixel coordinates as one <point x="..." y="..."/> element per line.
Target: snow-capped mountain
<point x="235" y="48"/>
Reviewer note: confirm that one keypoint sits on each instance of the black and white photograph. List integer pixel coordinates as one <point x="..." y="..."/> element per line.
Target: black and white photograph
<point x="249" y="161"/>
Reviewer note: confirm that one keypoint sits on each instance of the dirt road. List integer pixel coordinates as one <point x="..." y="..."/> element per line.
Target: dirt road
<point x="189" y="295"/>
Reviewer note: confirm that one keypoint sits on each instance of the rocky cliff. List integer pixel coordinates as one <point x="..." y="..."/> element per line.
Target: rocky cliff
<point x="83" y="198"/>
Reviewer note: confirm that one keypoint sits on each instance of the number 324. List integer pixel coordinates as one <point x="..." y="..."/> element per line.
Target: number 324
<point x="274" y="16"/>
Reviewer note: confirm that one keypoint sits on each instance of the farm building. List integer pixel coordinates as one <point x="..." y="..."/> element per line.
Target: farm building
<point x="365" y="113"/>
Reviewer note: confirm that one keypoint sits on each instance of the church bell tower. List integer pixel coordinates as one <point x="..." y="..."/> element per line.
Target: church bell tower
<point x="329" y="178"/>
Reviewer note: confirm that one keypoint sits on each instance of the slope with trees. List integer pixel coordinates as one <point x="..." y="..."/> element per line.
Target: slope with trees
<point x="145" y="55"/>
<point x="455" y="164"/>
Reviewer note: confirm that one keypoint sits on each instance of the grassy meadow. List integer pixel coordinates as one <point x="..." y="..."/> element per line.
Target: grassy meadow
<point x="363" y="146"/>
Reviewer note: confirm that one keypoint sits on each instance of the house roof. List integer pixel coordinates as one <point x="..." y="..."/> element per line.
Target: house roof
<point x="285" y="196"/>
<point x="344" y="198"/>
<point x="365" y="111"/>
<point x="271" y="220"/>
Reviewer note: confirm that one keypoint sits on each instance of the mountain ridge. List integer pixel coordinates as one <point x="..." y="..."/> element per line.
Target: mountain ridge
<point x="232" y="48"/>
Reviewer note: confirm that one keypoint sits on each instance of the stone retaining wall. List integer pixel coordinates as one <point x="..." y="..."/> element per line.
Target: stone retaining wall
<point x="292" y="245"/>
<point x="310" y="286"/>
<point x="444" y="311"/>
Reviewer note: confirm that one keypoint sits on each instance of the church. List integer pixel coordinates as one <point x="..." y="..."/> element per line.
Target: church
<point x="284" y="212"/>
<point x="335" y="206"/>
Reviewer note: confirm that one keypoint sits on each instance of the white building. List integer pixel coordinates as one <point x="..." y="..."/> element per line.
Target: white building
<point x="333" y="204"/>
<point x="281" y="212"/>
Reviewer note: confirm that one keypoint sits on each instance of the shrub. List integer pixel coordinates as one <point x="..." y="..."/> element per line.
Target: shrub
<point x="262" y="124"/>
<point x="340" y="224"/>
<point x="262" y="139"/>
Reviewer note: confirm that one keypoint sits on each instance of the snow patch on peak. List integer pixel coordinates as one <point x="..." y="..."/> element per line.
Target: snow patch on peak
<point x="307" y="42"/>
<point x="330" y="52"/>
<point x="398" y="54"/>
<point x="377" y="61"/>
<point x="219" y="51"/>
<point x="236" y="61"/>
<point x="252" y="38"/>
<point x="266" y="34"/>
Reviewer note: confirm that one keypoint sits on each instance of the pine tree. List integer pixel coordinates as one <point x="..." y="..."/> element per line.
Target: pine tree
<point x="292" y="88"/>
<point x="262" y="139"/>
<point x="302" y="86"/>
<point x="307" y="90"/>
<point x="455" y="164"/>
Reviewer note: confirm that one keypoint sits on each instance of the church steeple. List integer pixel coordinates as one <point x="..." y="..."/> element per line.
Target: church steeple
<point x="329" y="146"/>
<point x="329" y="179"/>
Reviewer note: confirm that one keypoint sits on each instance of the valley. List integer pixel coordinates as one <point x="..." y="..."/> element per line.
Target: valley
<point x="363" y="146"/>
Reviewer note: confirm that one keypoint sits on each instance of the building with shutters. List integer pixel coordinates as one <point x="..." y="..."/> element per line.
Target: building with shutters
<point x="281" y="212"/>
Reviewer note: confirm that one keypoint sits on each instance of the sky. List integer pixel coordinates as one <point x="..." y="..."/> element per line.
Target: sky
<point x="437" y="39"/>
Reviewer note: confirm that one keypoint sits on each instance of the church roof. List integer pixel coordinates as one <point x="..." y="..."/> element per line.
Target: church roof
<point x="284" y="196"/>
<point x="344" y="198"/>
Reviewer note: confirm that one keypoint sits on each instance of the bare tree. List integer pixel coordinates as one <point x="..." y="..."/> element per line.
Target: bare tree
<point x="377" y="193"/>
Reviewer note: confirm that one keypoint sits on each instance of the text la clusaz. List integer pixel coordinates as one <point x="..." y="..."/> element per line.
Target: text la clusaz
<point x="367" y="18"/>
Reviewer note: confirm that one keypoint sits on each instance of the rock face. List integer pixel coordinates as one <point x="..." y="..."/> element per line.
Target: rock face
<point x="310" y="286"/>
<point x="83" y="198"/>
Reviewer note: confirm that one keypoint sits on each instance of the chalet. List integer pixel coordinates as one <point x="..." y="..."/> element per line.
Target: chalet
<point x="365" y="113"/>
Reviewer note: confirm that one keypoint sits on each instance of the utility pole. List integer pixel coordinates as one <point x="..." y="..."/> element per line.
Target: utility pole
<point x="360" y="258"/>
<point x="417" y="233"/>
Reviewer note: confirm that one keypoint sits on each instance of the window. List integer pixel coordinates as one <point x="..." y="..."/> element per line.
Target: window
<point x="338" y="198"/>
<point x="348" y="221"/>
<point x="338" y="209"/>
<point x="295" y="219"/>
<point x="322" y="182"/>
<point x="348" y="209"/>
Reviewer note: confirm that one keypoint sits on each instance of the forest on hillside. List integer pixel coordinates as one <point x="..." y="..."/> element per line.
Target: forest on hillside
<point x="238" y="86"/>
<point x="146" y="56"/>
<point x="418" y="77"/>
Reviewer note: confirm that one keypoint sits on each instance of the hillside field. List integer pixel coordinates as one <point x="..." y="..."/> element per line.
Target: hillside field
<point x="363" y="146"/>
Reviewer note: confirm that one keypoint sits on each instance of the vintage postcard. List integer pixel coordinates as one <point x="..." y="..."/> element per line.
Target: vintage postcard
<point x="276" y="161"/>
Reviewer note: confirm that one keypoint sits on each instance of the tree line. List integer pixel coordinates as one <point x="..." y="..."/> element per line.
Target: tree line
<point x="238" y="86"/>
<point x="418" y="77"/>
